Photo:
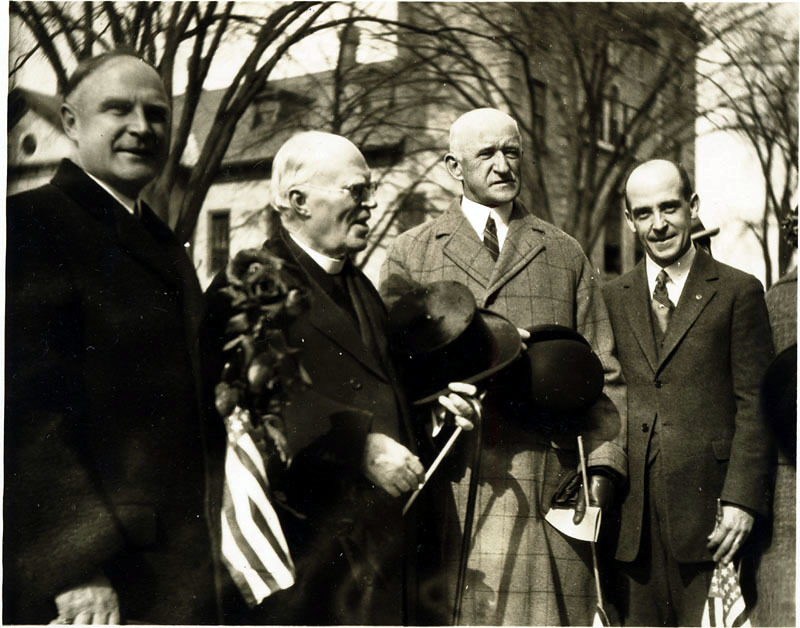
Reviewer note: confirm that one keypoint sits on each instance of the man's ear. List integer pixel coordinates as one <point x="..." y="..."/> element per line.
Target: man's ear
<point x="694" y="205"/>
<point x="299" y="203"/>
<point x="69" y="120"/>
<point x="453" y="166"/>
<point x="629" y="220"/>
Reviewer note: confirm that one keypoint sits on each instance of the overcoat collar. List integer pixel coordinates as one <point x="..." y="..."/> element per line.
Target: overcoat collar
<point x="524" y="240"/>
<point x="142" y="238"/>
<point x="327" y="316"/>
<point x="697" y="293"/>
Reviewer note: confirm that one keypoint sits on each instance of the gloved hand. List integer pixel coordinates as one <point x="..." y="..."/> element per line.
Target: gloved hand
<point x="601" y="493"/>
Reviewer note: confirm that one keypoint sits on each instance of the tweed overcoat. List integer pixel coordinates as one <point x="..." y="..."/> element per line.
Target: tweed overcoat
<point x="106" y="453"/>
<point x="521" y="570"/>
<point x="349" y="534"/>
<point x="704" y="388"/>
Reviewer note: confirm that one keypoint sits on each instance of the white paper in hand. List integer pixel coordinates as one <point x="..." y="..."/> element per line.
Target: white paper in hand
<point x="586" y="530"/>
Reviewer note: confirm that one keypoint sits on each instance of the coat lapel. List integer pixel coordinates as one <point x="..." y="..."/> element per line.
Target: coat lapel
<point x="463" y="246"/>
<point x="327" y="317"/>
<point x="697" y="293"/>
<point x="636" y="300"/>
<point x="524" y="241"/>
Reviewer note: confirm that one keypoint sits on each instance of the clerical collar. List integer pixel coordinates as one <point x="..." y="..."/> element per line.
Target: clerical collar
<point x="678" y="273"/>
<point x="477" y="214"/>
<point x="127" y="202"/>
<point x="330" y="265"/>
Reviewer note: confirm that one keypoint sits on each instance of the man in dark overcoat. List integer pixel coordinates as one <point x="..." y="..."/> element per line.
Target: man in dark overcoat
<point x="106" y="505"/>
<point x="694" y="342"/>
<point x="350" y="438"/>
<point x="521" y="571"/>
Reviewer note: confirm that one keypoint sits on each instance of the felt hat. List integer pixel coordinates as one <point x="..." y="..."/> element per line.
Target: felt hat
<point x="438" y="335"/>
<point x="552" y="384"/>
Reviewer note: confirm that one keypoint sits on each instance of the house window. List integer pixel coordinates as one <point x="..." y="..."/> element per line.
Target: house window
<point x="615" y="120"/>
<point x="219" y="227"/>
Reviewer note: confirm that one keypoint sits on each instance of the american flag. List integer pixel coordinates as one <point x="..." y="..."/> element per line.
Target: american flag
<point x="253" y="545"/>
<point x="725" y="604"/>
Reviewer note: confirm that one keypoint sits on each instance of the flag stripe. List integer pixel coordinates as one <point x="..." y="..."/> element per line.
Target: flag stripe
<point x="252" y="586"/>
<point x="240" y="478"/>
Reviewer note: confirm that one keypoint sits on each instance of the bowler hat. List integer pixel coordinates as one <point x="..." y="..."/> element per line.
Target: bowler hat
<point x="438" y="335"/>
<point x="552" y="384"/>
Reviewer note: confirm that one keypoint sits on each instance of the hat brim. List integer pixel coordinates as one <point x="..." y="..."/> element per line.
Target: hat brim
<point x="505" y="345"/>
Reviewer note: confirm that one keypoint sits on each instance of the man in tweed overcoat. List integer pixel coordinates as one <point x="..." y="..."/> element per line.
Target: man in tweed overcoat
<point x="520" y="571"/>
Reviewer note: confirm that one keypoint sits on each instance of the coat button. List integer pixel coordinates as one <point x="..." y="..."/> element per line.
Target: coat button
<point x="355" y="384"/>
<point x="645" y="428"/>
<point x="658" y="383"/>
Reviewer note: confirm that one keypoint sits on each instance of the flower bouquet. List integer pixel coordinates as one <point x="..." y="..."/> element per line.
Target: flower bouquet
<point x="260" y="366"/>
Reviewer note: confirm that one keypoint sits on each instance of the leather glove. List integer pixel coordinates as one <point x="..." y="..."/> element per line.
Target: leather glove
<point x="601" y="493"/>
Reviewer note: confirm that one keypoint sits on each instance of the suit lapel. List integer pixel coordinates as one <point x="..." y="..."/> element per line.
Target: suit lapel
<point x="636" y="300"/>
<point x="328" y="318"/>
<point x="463" y="246"/>
<point x="697" y="293"/>
<point x="523" y="242"/>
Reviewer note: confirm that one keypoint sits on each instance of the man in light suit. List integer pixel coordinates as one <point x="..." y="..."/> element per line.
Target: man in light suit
<point x="107" y="495"/>
<point x="694" y="341"/>
<point x="353" y="446"/>
<point x="521" y="570"/>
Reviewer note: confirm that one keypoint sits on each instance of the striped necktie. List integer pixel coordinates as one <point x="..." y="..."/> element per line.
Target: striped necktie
<point x="253" y="546"/>
<point x="662" y="306"/>
<point x="490" y="240"/>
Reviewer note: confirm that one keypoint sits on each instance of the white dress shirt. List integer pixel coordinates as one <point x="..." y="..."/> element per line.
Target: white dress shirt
<point x="677" y="273"/>
<point x="478" y="214"/>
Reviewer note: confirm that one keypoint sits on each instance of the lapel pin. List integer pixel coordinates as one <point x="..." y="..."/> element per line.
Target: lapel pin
<point x="698" y="296"/>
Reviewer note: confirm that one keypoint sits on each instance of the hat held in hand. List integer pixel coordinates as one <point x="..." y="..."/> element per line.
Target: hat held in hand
<point x="438" y="335"/>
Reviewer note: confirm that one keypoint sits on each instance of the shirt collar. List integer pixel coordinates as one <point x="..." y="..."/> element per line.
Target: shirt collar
<point x="678" y="272"/>
<point x="477" y="215"/>
<point x="127" y="202"/>
<point x="330" y="265"/>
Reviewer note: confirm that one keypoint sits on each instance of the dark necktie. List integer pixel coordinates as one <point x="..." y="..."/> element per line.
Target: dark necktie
<point x="490" y="240"/>
<point x="662" y="306"/>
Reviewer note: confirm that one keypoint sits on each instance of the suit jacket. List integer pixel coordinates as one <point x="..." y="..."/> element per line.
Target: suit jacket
<point x="541" y="277"/>
<point x="353" y="392"/>
<point x="105" y="448"/>
<point x="703" y="386"/>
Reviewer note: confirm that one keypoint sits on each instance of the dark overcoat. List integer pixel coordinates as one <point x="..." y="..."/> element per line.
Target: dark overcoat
<point x="704" y="388"/>
<point x="106" y="455"/>
<point x="347" y="538"/>
<point x="522" y="571"/>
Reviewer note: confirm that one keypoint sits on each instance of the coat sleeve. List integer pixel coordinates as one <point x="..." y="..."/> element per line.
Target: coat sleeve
<point x="607" y="431"/>
<point x="746" y="481"/>
<point x="59" y="528"/>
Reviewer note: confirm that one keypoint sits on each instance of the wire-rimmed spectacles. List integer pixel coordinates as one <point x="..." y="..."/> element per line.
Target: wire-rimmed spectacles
<point x="360" y="192"/>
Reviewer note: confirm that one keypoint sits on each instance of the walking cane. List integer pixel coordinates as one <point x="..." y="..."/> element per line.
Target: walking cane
<point x="600" y="610"/>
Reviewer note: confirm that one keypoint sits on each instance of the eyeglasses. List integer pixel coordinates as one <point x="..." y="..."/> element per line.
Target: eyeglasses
<point x="360" y="192"/>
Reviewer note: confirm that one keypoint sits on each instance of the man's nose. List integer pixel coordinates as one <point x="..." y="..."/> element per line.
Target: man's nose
<point x="499" y="162"/>
<point x="658" y="221"/>
<point x="137" y="120"/>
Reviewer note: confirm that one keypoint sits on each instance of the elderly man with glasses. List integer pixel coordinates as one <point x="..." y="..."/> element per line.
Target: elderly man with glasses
<point x="350" y="437"/>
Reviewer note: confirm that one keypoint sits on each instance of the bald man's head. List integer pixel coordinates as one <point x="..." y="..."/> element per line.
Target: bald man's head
<point x="485" y="155"/>
<point x="322" y="188"/>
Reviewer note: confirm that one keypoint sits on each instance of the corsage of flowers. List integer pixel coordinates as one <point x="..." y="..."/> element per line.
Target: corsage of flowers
<point x="260" y="366"/>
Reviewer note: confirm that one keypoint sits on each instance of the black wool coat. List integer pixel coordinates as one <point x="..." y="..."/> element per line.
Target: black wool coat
<point x="107" y="454"/>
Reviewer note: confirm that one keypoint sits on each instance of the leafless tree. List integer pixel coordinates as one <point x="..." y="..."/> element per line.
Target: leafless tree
<point x="752" y="71"/>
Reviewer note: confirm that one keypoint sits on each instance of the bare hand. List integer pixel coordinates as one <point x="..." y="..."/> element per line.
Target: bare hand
<point x="461" y="403"/>
<point x="390" y="465"/>
<point x="524" y="336"/>
<point x="730" y="533"/>
<point x="601" y="493"/>
<point x="93" y="602"/>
